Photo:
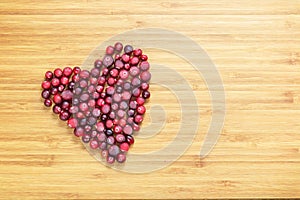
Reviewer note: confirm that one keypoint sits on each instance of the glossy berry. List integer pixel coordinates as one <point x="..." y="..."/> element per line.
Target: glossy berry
<point x="58" y="73"/>
<point x="121" y="158"/>
<point x="48" y="75"/>
<point x="67" y="71"/>
<point x="46" y="85"/>
<point x="124" y="146"/>
<point x="48" y="103"/>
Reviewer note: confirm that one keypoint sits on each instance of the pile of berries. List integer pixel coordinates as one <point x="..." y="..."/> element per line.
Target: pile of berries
<point x="105" y="105"/>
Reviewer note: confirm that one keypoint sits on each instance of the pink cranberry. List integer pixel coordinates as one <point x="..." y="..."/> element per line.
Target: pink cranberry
<point x="55" y="82"/>
<point x="144" y="66"/>
<point x="67" y="95"/>
<point x="72" y="122"/>
<point x="118" y="46"/>
<point x="125" y="58"/>
<point x="134" y="71"/>
<point x="141" y="110"/>
<point x="100" y="126"/>
<point x="110" y="159"/>
<point x="127" y="66"/>
<point x="127" y="130"/>
<point x="78" y="132"/>
<point x="64" y="80"/>
<point x="119" y="64"/>
<point x="84" y="74"/>
<point x="113" y="150"/>
<point x="114" y="72"/>
<point x="107" y="61"/>
<point x="94" y="144"/>
<point x="109" y="124"/>
<point x="145" y="76"/>
<point x="124" y="74"/>
<point x="111" y="81"/>
<point x="57" y="99"/>
<point x="121" y="158"/>
<point x="140" y="101"/>
<point x="104" y="153"/>
<point x="110" y="50"/>
<point x="134" y="60"/>
<point x="144" y="86"/>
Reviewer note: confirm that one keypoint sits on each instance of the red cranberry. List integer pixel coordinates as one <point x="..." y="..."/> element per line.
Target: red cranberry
<point x="105" y="108"/>
<point x="111" y="81"/>
<point x="46" y="85"/>
<point x="57" y="109"/>
<point x="144" y="57"/>
<point x="136" y="127"/>
<point x="108" y="100"/>
<point x="110" y="90"/>
<point x="76" y="70"/>
<point x="93" y="81"/>
<point x="96" y="95"/>
<point x="129" y="139"/>
<point x="118" y="46"/>
<point x="100" y="102"/>
<point x="108" y="61"/>
<point x="71" y="85"/>
<point x="126" y="95"/>
<point x="54" y="91"/>
<point x="133" y="104"/>
<point x="118" y="129"/>
<point x="61" y="88"/>
<point x="140" y="101"/>
<point x="48" y="103"/>
<point x="127" y="130"/>
<point x="120" y="138"/>
<point x="121" y="158"/>
<point x="117" y="97"/>
<point x="136" y="81"/>
<point x="138" y="119"/>
<point x="64" y="80"/>
<point x="98" y="63"/>
<point x="141" y="110"/>
<point x="78" y="132"/>
<point x="65" y="105"/>
<point x="100" y="126"/>
<point x="72" y="123"/>
<point x="136" y="92"/>
<point x="128" y="49"/>
<point x="99" y="88"/>
<point x="117" y="57"/>
<point x="105" y="71"/>
<point x="64" y="116"/>
<point x="94" y="144"/>
<point x="124" y="146"/>
<point x="67" y="71"/>
<point x="101" y="137"/>
<point x="46" y="94"/>
<point x="55" y="82"/>
<point x="114" y="72"/>
<point x="134" y="60"/>
<point x="57" y="99"/>
<point x="58" y="73"/>
<point x="80" y="115"/>
<point x="146" y="94"/>
<point x="127" y="66"/>
<point x="123" y="105"/>
<point x="110" y="50"/>
<point x="48" y="75"/>
<point x="75" y="78"/>
<point x="137" y="52"/>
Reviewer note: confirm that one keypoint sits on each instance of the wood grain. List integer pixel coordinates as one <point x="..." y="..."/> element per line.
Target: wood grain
<point x="256" y="48"/>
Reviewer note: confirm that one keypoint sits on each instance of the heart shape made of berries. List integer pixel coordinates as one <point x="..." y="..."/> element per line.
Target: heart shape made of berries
<point x="104" y="106"/>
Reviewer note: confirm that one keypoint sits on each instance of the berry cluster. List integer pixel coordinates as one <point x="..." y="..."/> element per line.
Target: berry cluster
<point x="105" y="105"/>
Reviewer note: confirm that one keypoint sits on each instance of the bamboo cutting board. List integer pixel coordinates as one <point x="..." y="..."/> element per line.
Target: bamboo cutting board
<point x="256" y="48"/>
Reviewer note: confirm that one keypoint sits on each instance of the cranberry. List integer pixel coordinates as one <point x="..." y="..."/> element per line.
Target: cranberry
<point x="83" y="83"/>
<point x="127" y="130"/>
<point x="130" y="112"/>
<point x="58" y="73"/>
<point x="112" y="115"/>
<point x="117" y="97"/>
<point x="100" y="102"/>
<point x="48" y="75"/>
<point x="109" y="132"/>
<point x="137" y="52"/>
<point x="64" y="80"/>
<point x="110" y="159"/>
<point x="84" y="74"/>
<point x="118" y="47"/>
<point x="55" y="82"/>
<point x="105" y="108"/>
<point x="119" y="64"/>
<point x="121" y="158"/>
<point x="48" y="102"/>
<point x="129" y="139"/>
<point x="110" y="50"/>
<point x="133" y="104"/>
<point x="127" y="66"/>
<point x="94" y="144"/>
<point x="124" y="146"/>
<point x="101" y="137"/>
<point x="136" y="127"/>
<point x="118" y="129"/>
<point x="67" y="95"/>
<point x="140" y="101"/>
<point x="83" y="107"/>
<point x="76" y="70"/>
<point x="114" y="72"/>
<point x="110" y="90"/>
<point x="111" y="81"/>
<point x="57" y="99"/>
<point x="46" y="85"/>
<point x="120" y="138"/>
<point x="61" y="88"/>
<point x="46" y="94"/>
<point x="109" y="123"/>
<point x="121" y="113"/>
<point x="96" y="112"/>
<point x="72" y="123"/>
<point x="67" y="71"/>
<point x="146" y="94"/>
<point x="108" y="100"/>
<point x="87" y="128"/>
<point x="127" y="86"/>
<point x="138" y="119"/>
<point x="64" y="116"/>
<point x="54" y="91"/>
<point x="100" y="126"/>
<point x="105" y="71"/>
<point x="136" y="82"/>
<point x="145" y="76"/>
<point x="134" y="71"/>
<point x="71" y="85"/>
<point x="126" y="95"/>
<point x="110" y="140"/>
<point x="144" y="57"/>
<point x="124" y="74"/>
<point x="123" y="105"/>
<point x="144" y="66"/>
<point x="75" y="78"/>
<point x="57" y="109"/>
<point x="91" y="121"/>
<point x="104" y="117"/>
<point x="113" y="150"/>
<point x="108" y="61"/>
<point x="125" y="58"/>
<point x="134" y="60"/>
<point x="122" y="122"/>
<point x="84" y="97"/>
<point x="85" y="138"/>
<point x="94" y="133"/>
<point x="65" y="105"/>
<point x="128" y="49"/>
<point x="144" y="86"/>
<point x="98" y="63"/>
<point x="103" y="146"/>
<point x="74" y="109"/>
<point x="141" y="110"/>
<point x="136" y="92"/>
<point x="79" y="132"/>
<point x="114" y="106"/>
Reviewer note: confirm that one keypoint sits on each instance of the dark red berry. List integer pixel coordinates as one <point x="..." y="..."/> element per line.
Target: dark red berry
<point x="46" y="85"/>
<point x="48" y="103"/>
<point x="48" y="75"/>
<point x="67" y="71"/>
<point x="58" y="73"/>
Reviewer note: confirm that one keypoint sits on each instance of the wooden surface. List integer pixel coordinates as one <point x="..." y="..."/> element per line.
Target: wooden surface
<point x="256" y="47"/>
